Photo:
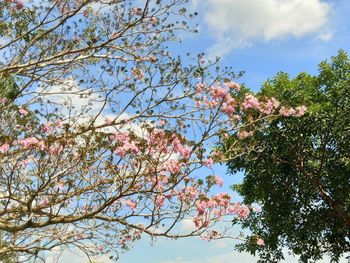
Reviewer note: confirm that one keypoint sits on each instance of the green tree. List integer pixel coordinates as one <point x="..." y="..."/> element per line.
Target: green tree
<point x="300" y="169"/>
<point x="8" y="88"/>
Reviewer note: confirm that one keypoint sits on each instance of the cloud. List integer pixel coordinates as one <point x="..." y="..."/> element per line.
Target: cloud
<point x="242" y="22"/>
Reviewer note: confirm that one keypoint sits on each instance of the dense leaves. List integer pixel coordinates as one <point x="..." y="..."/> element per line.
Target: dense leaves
<point x="299" y="171"/>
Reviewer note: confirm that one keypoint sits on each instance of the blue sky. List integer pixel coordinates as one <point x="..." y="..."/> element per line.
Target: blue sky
<point x="284" y="35"/>
<point x="260" y="37"/>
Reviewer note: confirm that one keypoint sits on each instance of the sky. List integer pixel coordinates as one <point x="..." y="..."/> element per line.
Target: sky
<point x="260" y="37"/>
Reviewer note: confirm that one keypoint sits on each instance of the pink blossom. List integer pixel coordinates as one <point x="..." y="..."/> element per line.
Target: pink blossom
<point x="218" y="180"/>
<point x="28" y="142"/>
<point x="228" y="109"/>
<point x="19" y="4"/>
<point x="200" y="86"/>
<point x="244" y="134"/>
<point x="55" y="150"/>
<point x="26" y="162"/>
<point x="222" y="199"/>
<point x="162" y="122"/>
<point x="23" y="111"/>
<point x="4" y="148"/>
<point x="267" y="107"/>
<point x="185" y="152"/>
<point x="160" y="199"/>
<point x="59" y="124"/>
<point x="136" y="11"/>
<point x="190" y="192"/>
<point x="212" y="103"/>
<point x="208" y="162"/>
<point x="233" y="85"/>
<point x="179" y="148"/>
<point x="218" y="92"/>
<point x="198" y="222"/>
<point x="275" y="102"/>
<point x="45" y="202"/>
<point x="41" y="145"/>
<point x="48" y="127"/>
<point x="3" y="100"/>
<point x="201" y="206"/>
<point x="59" y="186"/>
<point x="250" y="102"/>
<point x="300" y="110"/>
<point x="260" y="242"/>
<point x="173" y="166"/>
<point x="131" y="204"/>
<point x="287" y="112"/>
<point x="239" y="209"/>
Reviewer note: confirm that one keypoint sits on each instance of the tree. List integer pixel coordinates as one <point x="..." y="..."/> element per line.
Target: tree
<point x="298" y="171"/>
<point x="104" y="131"/>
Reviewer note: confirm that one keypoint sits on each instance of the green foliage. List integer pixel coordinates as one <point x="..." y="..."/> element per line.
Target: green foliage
<point x="299" y="174"/>
<point x="8" y="88"/>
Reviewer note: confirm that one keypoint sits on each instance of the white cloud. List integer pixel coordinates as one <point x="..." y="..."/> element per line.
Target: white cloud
<point x="240" y="22"/>
<point x="187" y="225"/>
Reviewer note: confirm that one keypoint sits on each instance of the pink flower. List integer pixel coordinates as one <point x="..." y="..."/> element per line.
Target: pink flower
<point x="131" y="204"/>
<point x="242" y="211"/>
<point x="4" y="148"/>
<point x="250" y="102"/>
<point x="59" y="124"/>
<point x="233" y="85"/>
<point x="260" y="242"/>
<point x="26" y="162"/>
<point x="201" y="206"/>
<point x="41" y="145"/>
<point x="198" y="222"/>
<point x="45" y="202"/>
<point x="218" y="92"/>
<point x="23" y="111"/>
<point x="200" y="86"/>
<point x="287" y="112"/>
<point x="55" y="150"/>
<point x="179" y="148"/>
<point x="185" y="152"/>
<point x="59" y="186"/>
<point x="218" y="180"/>
<point x="301" y="110"/>
<point x="160" y="200"/>
<point x="173" y="166"/>
<point x="244" y="134"/>
<point x="267" y="107"/>
<point x="208" y="162"/>
<point x="48" y="127"/>
<point x="136" y="11"/>
<point x="28" y="142"/>
<point x="228" y="109"/>
<point x="162" y="122"/>
<point x="19" y="5"/>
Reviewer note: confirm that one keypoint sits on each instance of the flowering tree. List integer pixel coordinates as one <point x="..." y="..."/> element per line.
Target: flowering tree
<point x="299" y="171"/>
<point x="103" y="132"/>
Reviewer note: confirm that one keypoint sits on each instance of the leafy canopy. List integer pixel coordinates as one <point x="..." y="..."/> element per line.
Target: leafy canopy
<point x="299" y="169"/>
